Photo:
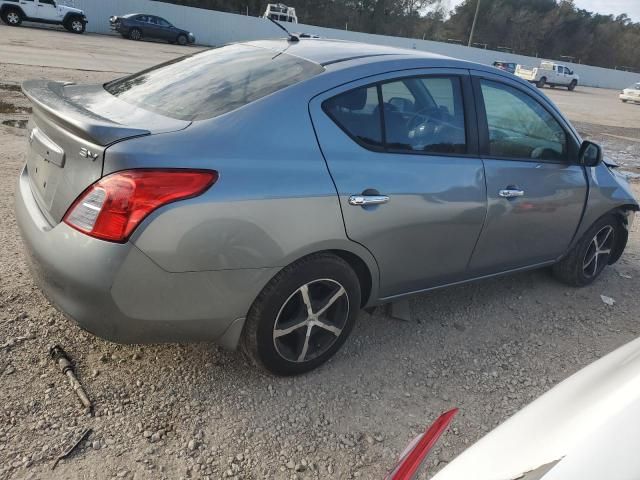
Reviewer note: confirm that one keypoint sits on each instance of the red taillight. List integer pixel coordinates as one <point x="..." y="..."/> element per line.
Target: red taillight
<point x="114" y="206"/>
<point x="417" y="451"/>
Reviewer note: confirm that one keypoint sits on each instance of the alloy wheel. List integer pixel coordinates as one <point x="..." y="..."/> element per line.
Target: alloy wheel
<point x="76" y="26"/>
<point x="598" y="252"/>
<point x="311" y="320"/>
<point x="13" y="18"/>
<point x="135" y="35"/>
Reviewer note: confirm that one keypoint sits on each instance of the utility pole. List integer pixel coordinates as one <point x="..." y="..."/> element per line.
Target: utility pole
<point x="473" y="25"/>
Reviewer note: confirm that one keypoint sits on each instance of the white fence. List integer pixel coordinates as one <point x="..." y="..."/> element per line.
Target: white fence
<point x="217" y="28"/>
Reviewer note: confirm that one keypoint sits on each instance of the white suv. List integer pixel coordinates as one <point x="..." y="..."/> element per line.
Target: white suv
<point x="549" y="73"/>
<point x="14" y="12"/>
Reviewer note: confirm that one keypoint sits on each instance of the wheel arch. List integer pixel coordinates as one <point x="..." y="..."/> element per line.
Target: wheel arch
<point x="6" y="7"/>
<point x="361" y="270"/>
<point x="622" y="213"/>
<point x="70" y="16"/>
<point x="357" y="257"/>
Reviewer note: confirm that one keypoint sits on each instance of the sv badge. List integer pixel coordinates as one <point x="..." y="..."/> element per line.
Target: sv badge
<point x="86" y="153"/>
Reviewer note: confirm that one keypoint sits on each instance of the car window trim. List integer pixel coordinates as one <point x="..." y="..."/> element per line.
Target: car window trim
<point x="483" y="126"/>
<point x="468" y="106"/>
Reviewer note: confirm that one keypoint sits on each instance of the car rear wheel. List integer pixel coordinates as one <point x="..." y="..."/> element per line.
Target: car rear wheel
<point x="303" y="316"/>
<point x="586" y="261"/>
<point x="12" y="17"/>
<point x="135" y="34"/>
<point x="572" y="85"/>
<point x="541" y="82"/>
<point x="182" y="39"/>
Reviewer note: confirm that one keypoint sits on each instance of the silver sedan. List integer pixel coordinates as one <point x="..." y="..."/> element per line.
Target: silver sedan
<point x="261" y="194"/>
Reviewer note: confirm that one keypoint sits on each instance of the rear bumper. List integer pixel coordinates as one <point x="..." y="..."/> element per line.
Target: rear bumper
<point x="116" y="292"/>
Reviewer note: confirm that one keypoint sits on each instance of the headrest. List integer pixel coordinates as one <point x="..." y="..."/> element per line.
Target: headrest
<point x="353" y="100"/>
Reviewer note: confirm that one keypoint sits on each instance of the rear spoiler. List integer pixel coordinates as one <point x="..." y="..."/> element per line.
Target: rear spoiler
<point x="48" y="97"/>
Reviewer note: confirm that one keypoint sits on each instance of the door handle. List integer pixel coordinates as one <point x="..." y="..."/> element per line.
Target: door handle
<point x="511" y="193"/>
<point x="364" y="200"/>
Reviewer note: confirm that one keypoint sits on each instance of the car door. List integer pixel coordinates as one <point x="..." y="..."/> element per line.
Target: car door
<point x="152" y="28"/>
<point x="402" y="151"/>
<point x="562" y="76"/>
<point x="536" y="191"/>
<point x="46" y="10"/>
<point x="165" y="31"/>
<point x="29" y="8"/>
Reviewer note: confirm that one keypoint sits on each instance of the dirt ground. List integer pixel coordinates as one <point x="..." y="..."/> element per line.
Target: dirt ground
<point x="197" y="411"/>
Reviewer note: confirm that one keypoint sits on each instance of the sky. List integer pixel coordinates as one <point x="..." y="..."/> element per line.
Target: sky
<point x="605" y="7"/>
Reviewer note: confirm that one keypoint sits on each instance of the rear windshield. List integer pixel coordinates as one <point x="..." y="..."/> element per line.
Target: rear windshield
<point x="213" y="82"/>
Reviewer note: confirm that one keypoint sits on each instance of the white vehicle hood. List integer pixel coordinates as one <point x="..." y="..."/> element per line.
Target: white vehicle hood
<point x="67" y="9"/>
<point x="584" y="428"/>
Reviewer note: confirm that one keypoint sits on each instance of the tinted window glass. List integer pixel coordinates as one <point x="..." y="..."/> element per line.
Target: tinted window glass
<point x="48" y="2"/>
<point x="213" y="82"/>
<point x="424" y="115"/>
<point x="357" y="113"/>
<point x="519" y="127"/>
<point x="163" y="22"/>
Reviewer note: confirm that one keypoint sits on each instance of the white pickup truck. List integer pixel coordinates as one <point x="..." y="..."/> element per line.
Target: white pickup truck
<point x="549" y="73"/>
<point x="14" y="12"/>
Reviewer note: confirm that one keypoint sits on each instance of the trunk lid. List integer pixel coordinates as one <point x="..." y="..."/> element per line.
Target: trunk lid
<point x="69" y="131"/>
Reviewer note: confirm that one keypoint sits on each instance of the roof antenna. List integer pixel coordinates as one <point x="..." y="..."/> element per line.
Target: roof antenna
<point x="292" y="37"/>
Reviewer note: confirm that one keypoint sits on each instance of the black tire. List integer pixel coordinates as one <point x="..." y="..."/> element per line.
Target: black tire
<point x="624" y="101"/>
<point x="12" y="17"/>
<point x="182" y="39"/>
<point x="135" y="34"/>
<point x="75" y="25"/>
<point x="301" y="347"/>
<point x="572" y="85"/>
<point x="572" y="270"/>
<point x="540" y="83"/>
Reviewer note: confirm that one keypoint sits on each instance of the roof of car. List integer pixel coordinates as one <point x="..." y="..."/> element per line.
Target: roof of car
<point x="324" y="51"/>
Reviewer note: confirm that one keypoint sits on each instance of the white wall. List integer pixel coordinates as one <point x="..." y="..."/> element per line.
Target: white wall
<point x="217" y="28"/>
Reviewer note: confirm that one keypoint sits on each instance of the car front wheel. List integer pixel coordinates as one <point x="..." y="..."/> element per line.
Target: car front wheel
<point x="182" y="40"/>
<point x="588" y="258"/>
<point x="303" y="316"/>
<point x="76" y="25"/>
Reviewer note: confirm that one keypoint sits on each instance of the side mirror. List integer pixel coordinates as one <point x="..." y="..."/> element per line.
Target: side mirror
<point x="590" y="154"/>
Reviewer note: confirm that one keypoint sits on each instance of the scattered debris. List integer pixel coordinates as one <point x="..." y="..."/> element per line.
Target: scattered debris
<point x="607" y="300"/>
<point x="72" y="447"/>
<point x="625" y="275"/>
<point x="400" y="310"/>
<point x="60" y="358"/>
<point x="12" y="342"/>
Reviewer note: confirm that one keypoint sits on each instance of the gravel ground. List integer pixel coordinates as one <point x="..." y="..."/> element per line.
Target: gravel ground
<point x="196" y="411"/>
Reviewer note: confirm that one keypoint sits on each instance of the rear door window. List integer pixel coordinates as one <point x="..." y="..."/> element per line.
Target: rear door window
<point x="357" y="112"/>
<point x="214" y="82"/>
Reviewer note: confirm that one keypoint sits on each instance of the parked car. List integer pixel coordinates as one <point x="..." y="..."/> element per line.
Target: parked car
<point x="585" y="428"/>
<point x="13" y="13"/>
<point x="281" y="13"/>
<point x="506" y="66"/>
<point x="137" y="26"/>
<point x="158" y="207"/>
<point x="631" y="94"/>
<point x="549" y="73"/>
